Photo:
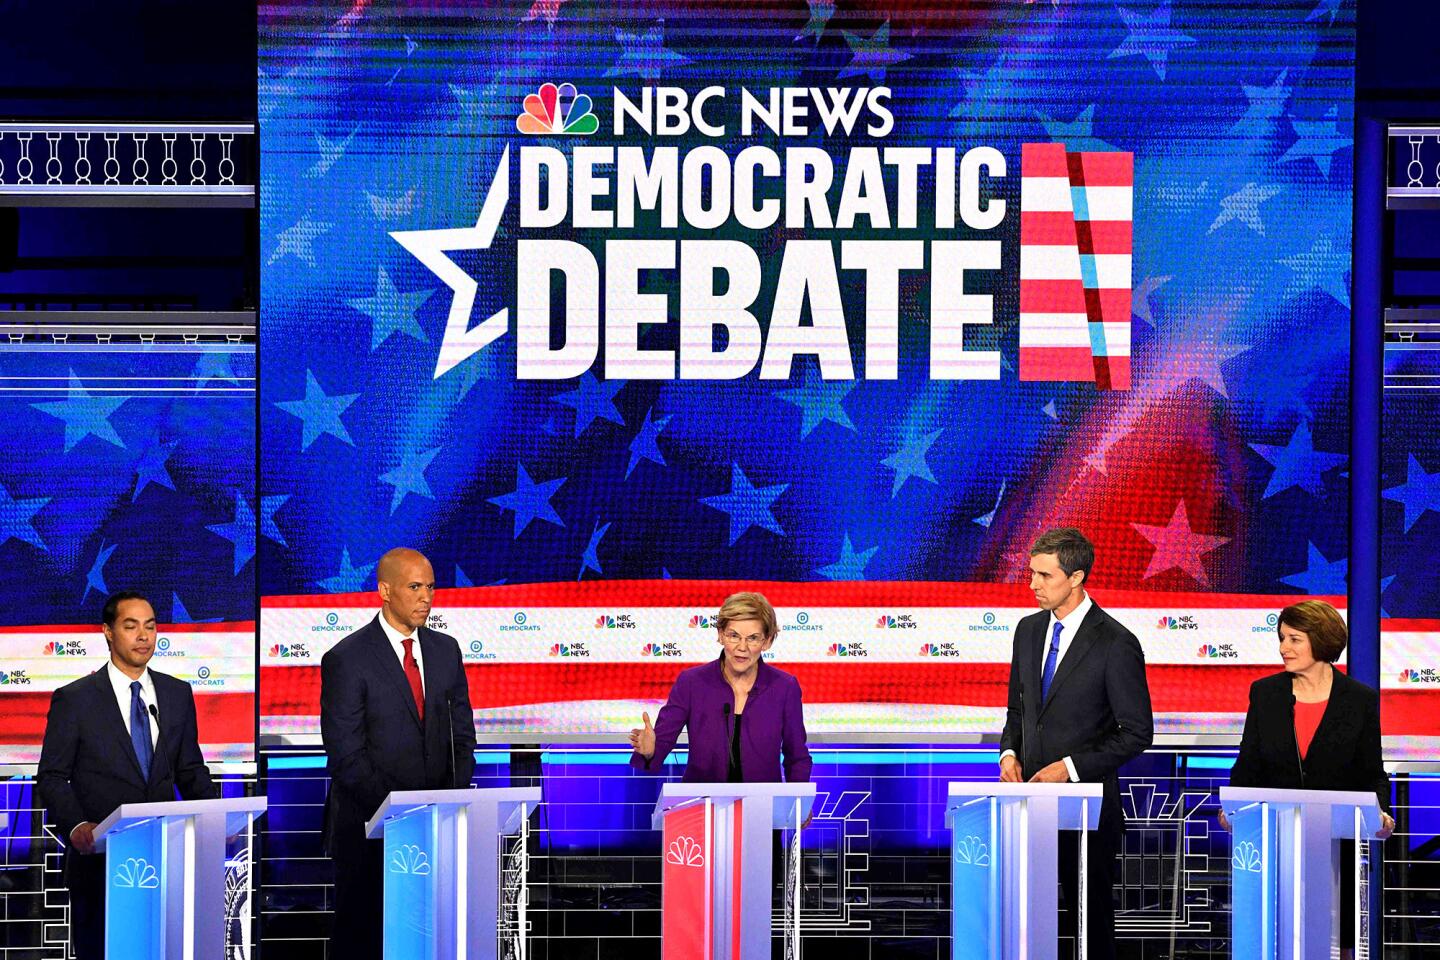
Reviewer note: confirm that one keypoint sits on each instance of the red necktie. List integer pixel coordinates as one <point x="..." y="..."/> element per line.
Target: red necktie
<point x="412" y="673"/>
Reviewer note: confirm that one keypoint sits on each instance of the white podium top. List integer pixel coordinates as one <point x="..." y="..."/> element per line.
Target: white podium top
<point x="1073" y="815"/>
<point x="400" y="802"/>
<point x="784" y="796"/>
<point x="1342" y="804"/>
<point x="236" y="810"/>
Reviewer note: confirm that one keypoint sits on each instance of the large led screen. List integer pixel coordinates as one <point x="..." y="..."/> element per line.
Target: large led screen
<point x="612" y="308"/>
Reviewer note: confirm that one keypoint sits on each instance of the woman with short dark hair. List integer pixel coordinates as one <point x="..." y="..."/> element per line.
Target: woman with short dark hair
<point x="1311" y="727"/>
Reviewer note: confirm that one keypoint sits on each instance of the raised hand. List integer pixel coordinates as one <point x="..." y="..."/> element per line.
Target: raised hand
<point x="643" y="740"/>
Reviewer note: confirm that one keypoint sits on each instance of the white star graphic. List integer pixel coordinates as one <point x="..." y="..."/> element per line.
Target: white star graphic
<point x="428" y="246"/>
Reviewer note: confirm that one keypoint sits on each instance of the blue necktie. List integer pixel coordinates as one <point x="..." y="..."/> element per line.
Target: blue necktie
<point x="1050" y="660"/>
<point x="140" y="729"/>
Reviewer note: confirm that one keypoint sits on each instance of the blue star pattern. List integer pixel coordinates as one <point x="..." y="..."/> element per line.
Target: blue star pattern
<point x="1151" y="37"/>
<point x="95" y="579"/>
<point x="1297" y="464"/>
<point x="1419" y="492"/>
<point x="852" y="562"/>
<point x="644" y="54"/>
<point x="819" y="400"/>
<point x="1320" y="576"/>
<point x="240" y="531"/>
<point x="84" y="415"/>
<point x="592" y="400"/>
<point x="530" y="501"/>
<point x="319" y="414"/>
<point x="268" y="508"/>
<point x="909" y="461"/>
<point x="115" y="457"/>
<point x="591" y="558"/>
<point x="349" y="578"/>
<point x="409" y="477"/>
<point x="17" y="518"/>
<point x="391" y="311"/>
<point x="747" y="505"/>
<point x="150" y="468"/>
<point x="645" y="446"/>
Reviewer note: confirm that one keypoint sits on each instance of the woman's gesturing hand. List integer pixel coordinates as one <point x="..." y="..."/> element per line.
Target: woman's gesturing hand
<point x="643" y="741"/>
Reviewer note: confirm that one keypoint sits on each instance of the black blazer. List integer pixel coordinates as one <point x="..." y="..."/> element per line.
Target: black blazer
<point x="87" y="761"/>
<point x="373" y="738"/>
<point x="1098" y="711"/>
<point x="1345" y="754"/>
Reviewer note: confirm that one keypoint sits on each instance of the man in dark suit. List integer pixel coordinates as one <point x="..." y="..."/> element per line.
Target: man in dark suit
<point x="123" y="734"/>
<point x="1079" y="708"/>
<point x="394" y="715"/>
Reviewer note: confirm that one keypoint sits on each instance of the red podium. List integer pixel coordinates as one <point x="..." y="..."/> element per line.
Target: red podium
<point x="716" y="878"/>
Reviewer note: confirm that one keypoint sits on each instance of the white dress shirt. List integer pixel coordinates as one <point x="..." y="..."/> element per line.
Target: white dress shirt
<point x="1071" y="625"/>
<point x="395" y="637"/>
<point x="121" y="685"/>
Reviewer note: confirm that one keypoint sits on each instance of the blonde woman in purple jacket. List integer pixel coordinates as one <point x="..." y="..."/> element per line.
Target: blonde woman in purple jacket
<point x="745" y="717"/>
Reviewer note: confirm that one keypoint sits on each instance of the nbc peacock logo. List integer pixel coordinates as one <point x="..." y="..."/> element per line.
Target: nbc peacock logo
<point x="573" y="649"/>
<point x="939" y="650"/>
<point x="1221" y="651"/>
<point x="661" y="650"/>
<point x="1420" y="675"/>
<point x="65" y="648"/>
<point x="557" y="110"/>
<point x="701" y="621"/>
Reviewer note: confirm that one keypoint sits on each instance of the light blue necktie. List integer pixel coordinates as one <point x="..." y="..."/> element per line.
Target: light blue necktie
<point x="140" y="729"/>
<point x="1051" y="659"/>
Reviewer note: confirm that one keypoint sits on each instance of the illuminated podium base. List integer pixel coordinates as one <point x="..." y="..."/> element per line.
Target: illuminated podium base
<point x="1004" y="865"/>
<point x="716" y="876"/>
<point x="449" y="890"/>
<point x="1285" y="868"/>
<point x="165" y="876"/>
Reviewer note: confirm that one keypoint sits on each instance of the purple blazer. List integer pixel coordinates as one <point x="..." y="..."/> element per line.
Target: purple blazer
<point x="774" y="723"/>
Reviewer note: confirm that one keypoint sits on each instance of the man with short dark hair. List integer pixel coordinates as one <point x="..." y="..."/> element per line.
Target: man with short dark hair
<point x="1079" y="708"/>
<point x="393" y="704"/>
<point x="123" y="734"/>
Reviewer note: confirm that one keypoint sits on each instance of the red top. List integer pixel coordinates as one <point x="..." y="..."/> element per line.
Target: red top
<point x="1307" y="719"/>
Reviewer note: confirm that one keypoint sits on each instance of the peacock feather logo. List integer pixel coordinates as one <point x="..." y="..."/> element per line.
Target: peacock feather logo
<point x="136" y="873"/>
<point x="1207" y="650"/>
<point x="685" y="852"/>
<point x="557" y="109"/>
<point x="974" y="851"/>
<point x="1246" y="858"/>
<point x="410" y="859"/>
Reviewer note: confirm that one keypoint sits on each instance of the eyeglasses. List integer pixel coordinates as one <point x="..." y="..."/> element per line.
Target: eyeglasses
<point x="753" y="642"/>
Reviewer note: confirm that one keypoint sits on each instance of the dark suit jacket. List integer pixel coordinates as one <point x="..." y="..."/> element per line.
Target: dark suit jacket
<point x="87" y="761"/>
<point x="1345" y="754"/>
<point x="1098" y="711"/>
<point x="774" y="723"/>
<point x="373" y="737"/>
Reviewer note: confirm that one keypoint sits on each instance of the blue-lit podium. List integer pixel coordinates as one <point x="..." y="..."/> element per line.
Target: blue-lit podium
<point x="449" y="891"/>
<point x="1004" y="853"/>
<point x="716" y="876"/>
<point x="1285" y="870"/>
<point x="165" y="876"/>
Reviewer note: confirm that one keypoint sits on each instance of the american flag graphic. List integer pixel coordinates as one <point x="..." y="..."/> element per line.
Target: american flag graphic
<point x="1076" y="218"/>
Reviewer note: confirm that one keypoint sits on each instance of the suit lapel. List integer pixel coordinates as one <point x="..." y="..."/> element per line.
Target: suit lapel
<point x="1080" y="645"/>
<point x="431" y="653"/>
<point x="384" y="655"/>
<point x="165" y="704"/>
<point x="114" y="720"/>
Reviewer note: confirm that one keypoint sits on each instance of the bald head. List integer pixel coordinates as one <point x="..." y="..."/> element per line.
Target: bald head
<point x="407" y="588"/>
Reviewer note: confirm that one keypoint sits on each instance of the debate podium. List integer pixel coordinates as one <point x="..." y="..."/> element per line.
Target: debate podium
<point x="1004" y="852"/>
<point x="450" y="891"/>
<point x="165" y="876"/>
<point x="1285" y="868"/>
<point x="716" y="877"/>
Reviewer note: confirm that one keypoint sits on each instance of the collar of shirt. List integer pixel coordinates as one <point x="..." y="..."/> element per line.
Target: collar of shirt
<point x="395" y="637"/>
<point x="120" y="683"/>
<point x="1072" y="622"/>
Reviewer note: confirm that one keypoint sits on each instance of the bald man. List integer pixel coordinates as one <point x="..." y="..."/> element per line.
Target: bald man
<point x="394" y="715"/>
